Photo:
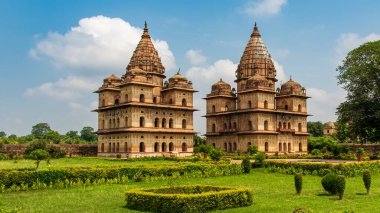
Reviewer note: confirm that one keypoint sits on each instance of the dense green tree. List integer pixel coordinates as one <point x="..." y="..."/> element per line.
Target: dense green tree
<point x="315" y="128"/>
<point x="13" y="136"/>
<point x="2" y="134"/>
<point x="87" y="134"/>
<point x="40" y="129"/>
<point x="72" y="134"/>
<point x="38" y="155"/>
<point x="359" y="75"/>
<point x="52" y="136"/>
<point x="199" y="140"/>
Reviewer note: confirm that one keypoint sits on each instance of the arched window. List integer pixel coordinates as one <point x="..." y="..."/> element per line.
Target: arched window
<point x="299" y="108"/>
<point x="126" y="98"/>
<point x="235" y="125"/>
<point x="284" y="125"/>
<point x="109" y="147"/>
<point x="213" y="128"/>
<point x="103" y="127"/>
<point x="184" y="147"/>
<point x="250" y="127"/>
<point x="113" y="148"/>
<point x="265" y="104"/>
<point x="102" y="147"/>
<point x="142" y="147"/>
<point x="118" y="123"/>
<point x="142" y="121"/>
<point x="266" y="147"/>
<point x="226" y="108"/>
<point x="103" y="102"/>
<point x="284" y="146"/>
<point x="156" y="147"/>
<point x="229" y="147"/>
<point x="225" y="147"/>
<point x="289" y="147"/>
<point x="171" y="147"/>
<point x="116" y="101"/>
<point x="156" y="122"/>
<point x="300" y="147"/>
<point x="171" y="123"/>
<point x="154" y="100"/>
<point x="225" y="126"/>
<point x="163" y="123"/>
<point x="286" y="107"/>
<point x="184" y="102"/>
<point x="184" y="124"/>
<point x="142" y="98"/>
<point x="125" y="147"/>
<point x="280" y="147"/>
<point x="249" y="104"/>
<point x="126" y="121"/>
<point x="213" y="108"/>
<point x="299" y="127"/>
<point x="171" y="101"/>
<point x="279" y="125"/>
<point x="163" y="147"/>
<point x="117" y="147"/>
<point x="289" y="126"/>
<point x="235" y="146"/>
<point x="265" y="125"/>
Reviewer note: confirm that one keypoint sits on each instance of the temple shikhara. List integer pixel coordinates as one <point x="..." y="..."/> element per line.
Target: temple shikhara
<point x="256" y="113"/>
<point x="140" y="115"/>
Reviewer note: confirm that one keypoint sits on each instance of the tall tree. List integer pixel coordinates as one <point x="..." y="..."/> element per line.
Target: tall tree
<point x="40" y="129"/>
<point x="315" y="128"/>
<point x="2" y="134"/>
<point x="87" y="134"/>
<point x="359" y="75"/>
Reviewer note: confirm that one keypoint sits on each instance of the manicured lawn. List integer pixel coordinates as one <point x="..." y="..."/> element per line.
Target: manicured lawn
<point x="273" y="192"/>
<point x="76" y="162"/>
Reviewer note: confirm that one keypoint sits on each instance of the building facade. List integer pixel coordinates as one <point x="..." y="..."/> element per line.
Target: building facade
<point x="256" y="113"/>
<point x="329" y="129"/>
<point x="141" y="115"/>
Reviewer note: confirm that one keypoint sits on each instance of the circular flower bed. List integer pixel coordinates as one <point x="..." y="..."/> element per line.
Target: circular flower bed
<point x="192" y="198"/>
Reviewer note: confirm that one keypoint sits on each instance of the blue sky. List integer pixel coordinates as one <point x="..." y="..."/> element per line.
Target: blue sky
<point x="55" y="53"/>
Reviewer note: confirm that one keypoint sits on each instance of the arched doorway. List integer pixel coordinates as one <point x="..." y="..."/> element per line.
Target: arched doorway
<point x="266" y="147"/>
<point x="142" y="147"/>
<point x="156" y="147"/>
<point x="163" y="147"/>
<point x="184" y="147"/>
<point x="171" y="147"/>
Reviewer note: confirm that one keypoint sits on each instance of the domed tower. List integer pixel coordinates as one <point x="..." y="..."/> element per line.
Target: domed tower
<point x="329" y="129"/>
<point x="178" y="91"/>
<point x="255" y="61"/>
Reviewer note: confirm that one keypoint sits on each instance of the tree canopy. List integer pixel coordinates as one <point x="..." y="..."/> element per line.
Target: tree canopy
<point x="315" y="128"/>
<point x="359" y="75"/>
<point x="40" y="129"/>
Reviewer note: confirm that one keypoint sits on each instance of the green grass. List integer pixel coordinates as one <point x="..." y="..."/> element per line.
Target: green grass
<point x="273" y="192"/>
<point x="76" y="162"/>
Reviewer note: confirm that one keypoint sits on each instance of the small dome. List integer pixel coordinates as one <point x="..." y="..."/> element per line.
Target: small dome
<point x="257" y="81"/>
<point x="291" y="88"/>
<point x="178" y="80"/>
<point x="221" y="88"/>
<point x="177" y="77"/>
<point x="329" y="125"/>
<point x="112" y="78"/>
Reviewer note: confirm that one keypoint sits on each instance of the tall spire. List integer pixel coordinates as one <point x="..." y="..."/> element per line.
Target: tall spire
<point x="146" y="56"/>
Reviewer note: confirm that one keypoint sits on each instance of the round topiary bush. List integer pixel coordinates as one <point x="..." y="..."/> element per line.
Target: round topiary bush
<point x="193" y="198"/>
<point x="367" y="180"/>
<point x="329" y="183"/>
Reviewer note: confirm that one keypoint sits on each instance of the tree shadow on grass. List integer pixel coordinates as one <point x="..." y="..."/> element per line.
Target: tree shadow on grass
<point x="324" y="195"/>
<point x="361" y="193"/>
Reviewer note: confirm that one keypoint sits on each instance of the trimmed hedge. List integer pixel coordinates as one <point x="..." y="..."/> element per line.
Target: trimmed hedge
<point x="193" y="198"/>
<point x="321" y="169"/>
<point x="19" y="177"/>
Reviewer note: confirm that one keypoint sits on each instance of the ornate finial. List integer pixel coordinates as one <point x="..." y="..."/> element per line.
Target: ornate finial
<point x="255" y="31"/>
<point x="290" y="77"/>
<point x="179" y="70"/>
<point x="220" y="80"/>
<point x="145" y="26"/>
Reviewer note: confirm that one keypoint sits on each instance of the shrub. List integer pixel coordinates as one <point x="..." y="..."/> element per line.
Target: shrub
<point x="38" y="155"/>
<point x="298" y="182"/>
<point x="55" y="152"/>
<point x="367" y="180"/>
<point x="246" y="165"/>
<point x="3" y="156"/>
<point x="259" y="159"/>
<point x="316" y="152"/>
<point x="329" y="183"/>
<point x="118" y="156"/>
<point x="138" y="177"/>
<point x="38" y="144"/>
<point x="340" y="185"/>
<point x="193" y="198"/>
<point x="252" y="149"/>
<point x="216" y="154"/>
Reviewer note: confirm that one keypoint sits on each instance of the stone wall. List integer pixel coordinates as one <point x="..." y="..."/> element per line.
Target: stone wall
<point x="71" y="150"/>
<point x="369" y="148"/>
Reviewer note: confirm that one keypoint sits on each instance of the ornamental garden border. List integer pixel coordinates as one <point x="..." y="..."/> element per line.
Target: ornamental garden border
<point x="191" y="198"/>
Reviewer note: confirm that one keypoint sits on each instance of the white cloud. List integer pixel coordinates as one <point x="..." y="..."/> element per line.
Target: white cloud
<point x="195" y="57"/>
<point x="323" y="104"/>
<point x="264" y="7"/>
<point x="69" y="88"/>
<point x="349" y="41"/>
<point x="223" y="68"/>
<point x="281" y="77"/>
<point x="98" y="43"/>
